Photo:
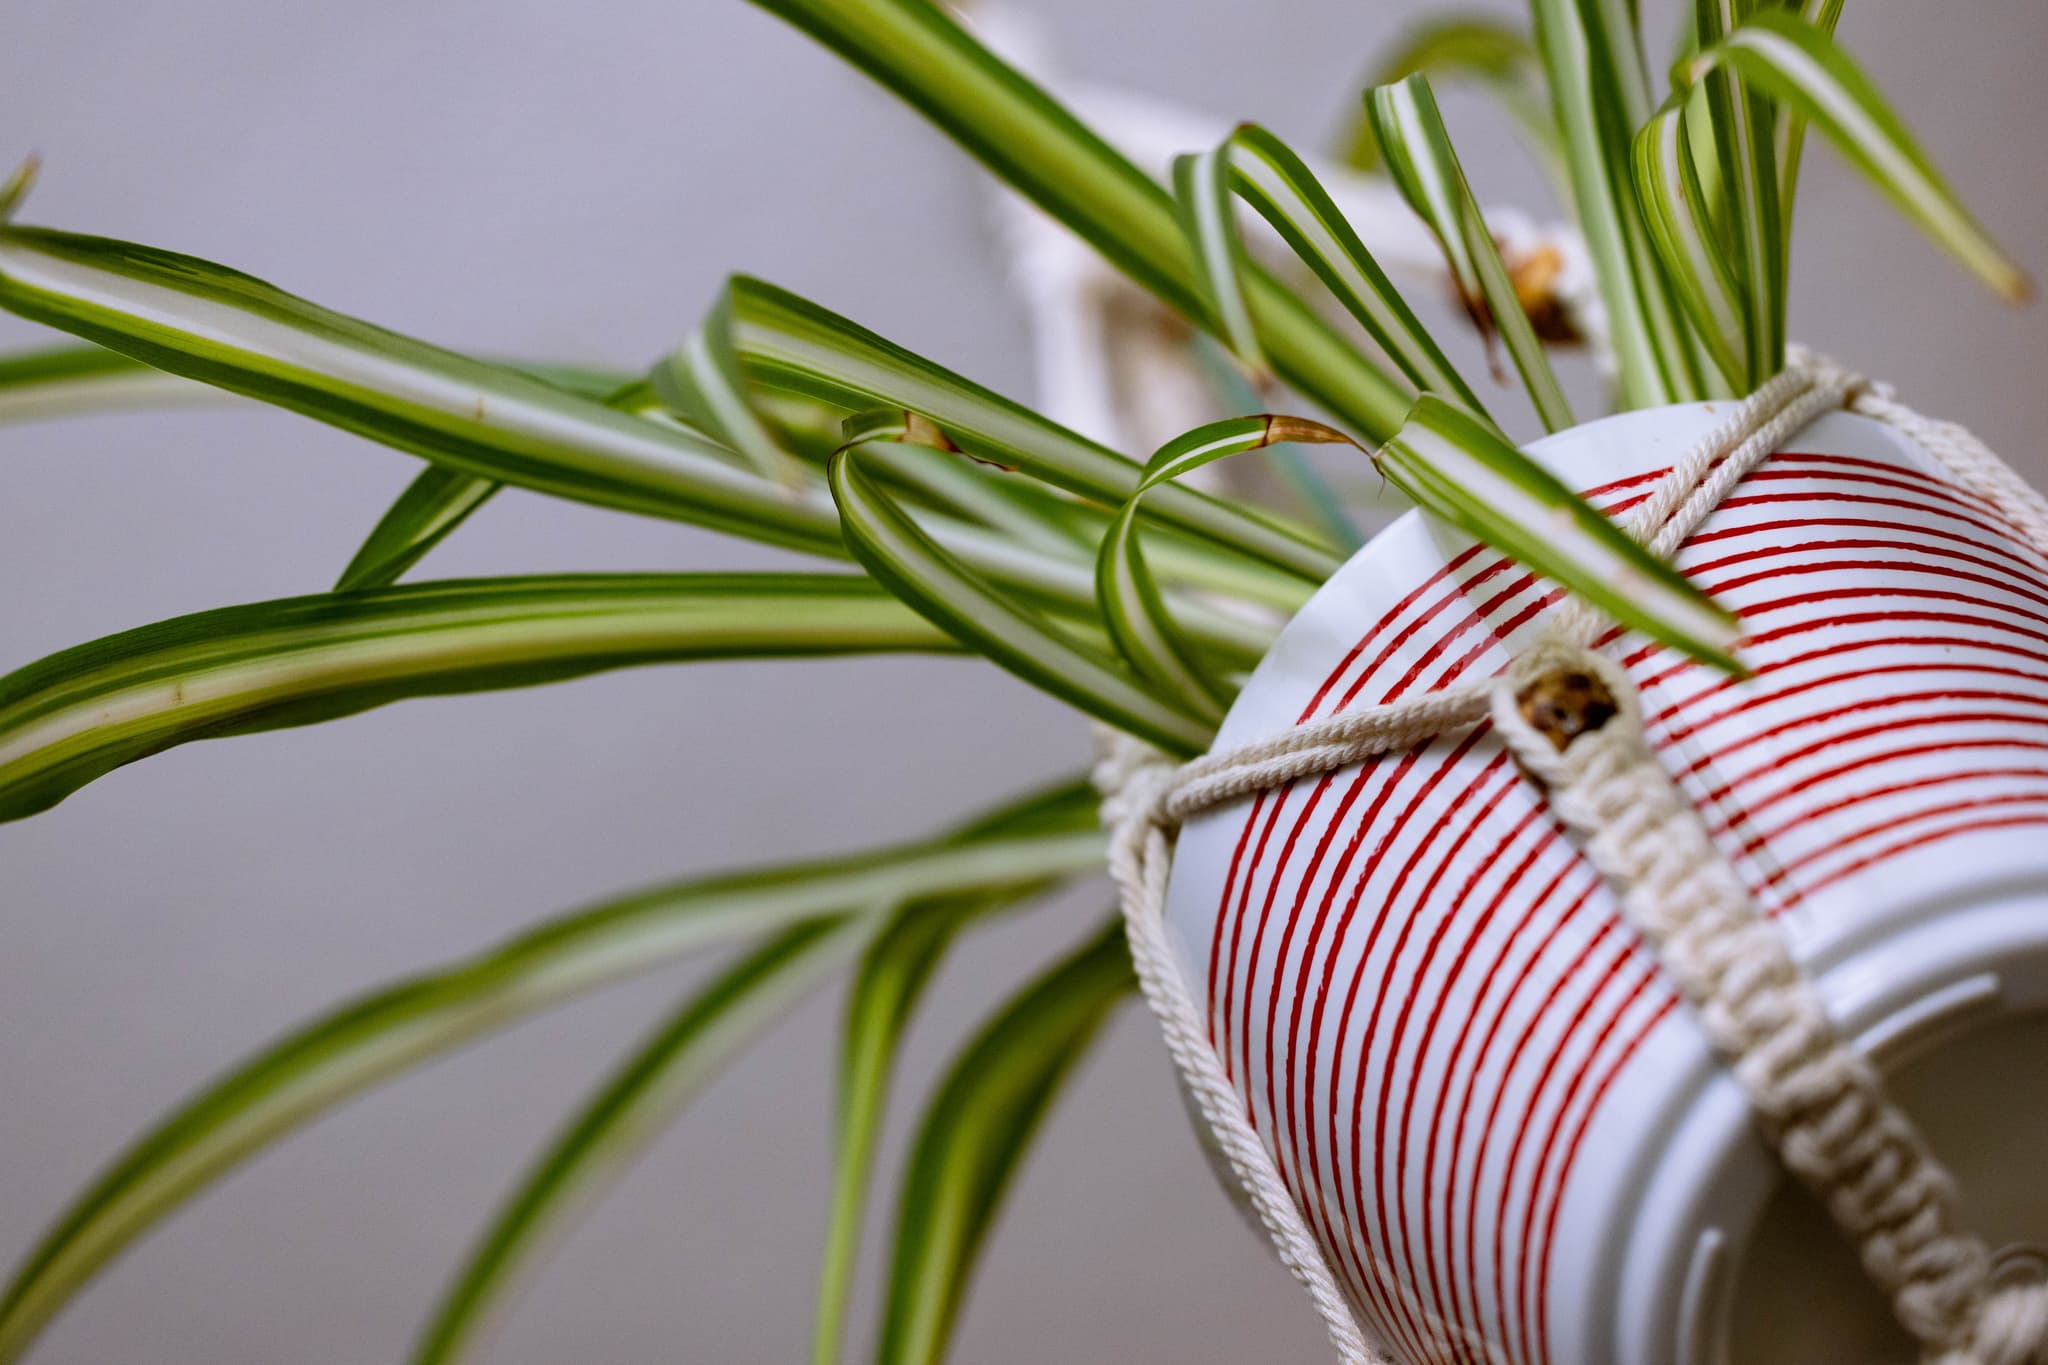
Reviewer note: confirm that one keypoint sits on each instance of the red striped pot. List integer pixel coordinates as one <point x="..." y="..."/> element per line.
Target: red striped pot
<point x="1509" y="1136"/>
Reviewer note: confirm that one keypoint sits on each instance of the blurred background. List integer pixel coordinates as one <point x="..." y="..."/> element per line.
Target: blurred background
<point x="573" y="182"/>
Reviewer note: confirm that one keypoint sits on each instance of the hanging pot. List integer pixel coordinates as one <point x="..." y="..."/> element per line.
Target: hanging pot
<point x="1511" y="1139"/>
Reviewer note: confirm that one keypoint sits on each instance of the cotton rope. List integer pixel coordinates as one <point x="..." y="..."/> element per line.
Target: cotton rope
<point x="1820" y="1102"/>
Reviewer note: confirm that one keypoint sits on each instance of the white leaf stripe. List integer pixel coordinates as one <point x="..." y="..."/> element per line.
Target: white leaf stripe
<point x="1792" y="125"/>
<point x="1482" y="49"/>
<point x="1800" y="66"/>
<point x="1599" y="101"/>
<point x="923" y="53"/>
<point x="789" y="343"/>
<point x="1202" y="187"/>
<point x="1462" y="472"/>
<point x="642" y="1096"/>
<point x="60" y="381"/>
<point x="702" y="381"/>
<point x="880" y="1001"/>
<point x="55" y="381"/>
<point x="1188" y="453"/>
<point x="1741" y="130"/>
<point x="81" y="713"/>
<point x="892" y="548"/>
<point x="226" y="329"/>
<point x="1140" y="626"/>
<point x="1281" y="188"/>
<point x="385" y="1033"/>
<point x="974" y="1133"/>
<point x="1425" y="166"/>
<point x="1675" y="207"/>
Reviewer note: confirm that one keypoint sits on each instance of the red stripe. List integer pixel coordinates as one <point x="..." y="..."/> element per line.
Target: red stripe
<point x="1452" y="1073"/>
<point x="1535" y="1249"/>
<point x="1779" y="762"/>
<point x="1921" y="841"/>
<point x="1568" y="977"/>
<point x="1811" y="566"/>
<point x="1742" y="500"/>
<point x="1894" y="822"/>
<point x="1942" y="482"/>
<point x="1571" y="1158"/>
<point x="1848" y="803"/>
<point x="1925" y="488"/>
<point x="1997" y="549"/>
<point x="1511" y="585"/>
<point x="1805" y="550"/>
<point x="1936" y="746"/>
<point x="1423" y="898"/>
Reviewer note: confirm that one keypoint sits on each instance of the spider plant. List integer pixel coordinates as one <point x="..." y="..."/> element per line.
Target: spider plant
<point x="945" y="517"/>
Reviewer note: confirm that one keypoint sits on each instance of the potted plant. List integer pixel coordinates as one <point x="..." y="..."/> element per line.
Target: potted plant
<point x="958" y="519"/>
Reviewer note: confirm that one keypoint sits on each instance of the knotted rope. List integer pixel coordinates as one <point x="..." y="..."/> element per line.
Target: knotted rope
<point x="1573" y="722"/>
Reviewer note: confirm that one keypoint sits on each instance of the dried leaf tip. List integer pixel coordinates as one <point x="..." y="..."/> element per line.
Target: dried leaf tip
<point x="923" y="431"/>
<point x="1302" y="430"/>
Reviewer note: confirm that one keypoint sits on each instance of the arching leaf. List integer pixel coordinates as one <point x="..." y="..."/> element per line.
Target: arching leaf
<point x="81" y="713"/>
<point x="975" y="1133"/>
<point x="1423" y="163"/>
<point x="1800" y="66"/>
<point x="394" y="1029"/>
<point x="891" y="546"/>
<point x="227" y="329"/>
<point x="602" y="1139"/>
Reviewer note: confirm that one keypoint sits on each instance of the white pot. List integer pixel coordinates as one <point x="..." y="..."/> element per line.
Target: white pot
<point x="1511" y="1138"/>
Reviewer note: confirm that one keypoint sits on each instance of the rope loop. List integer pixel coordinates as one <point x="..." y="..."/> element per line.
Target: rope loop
<point x="1573" y="721"/>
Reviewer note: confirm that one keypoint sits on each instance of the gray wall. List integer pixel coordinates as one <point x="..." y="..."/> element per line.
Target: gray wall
<point x="573" y="181"/>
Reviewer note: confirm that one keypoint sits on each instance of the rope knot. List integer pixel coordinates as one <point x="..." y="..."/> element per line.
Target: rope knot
<point x="1575" y="725"/>
<point x="2010" y="1326"/>
<point x="1132" y="777"/>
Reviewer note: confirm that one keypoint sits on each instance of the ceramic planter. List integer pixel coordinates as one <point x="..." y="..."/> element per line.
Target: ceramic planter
<point x="1507" y="1133"/>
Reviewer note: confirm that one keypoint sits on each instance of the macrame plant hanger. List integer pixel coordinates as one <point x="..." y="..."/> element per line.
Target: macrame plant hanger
<point x="1572" y="720"/>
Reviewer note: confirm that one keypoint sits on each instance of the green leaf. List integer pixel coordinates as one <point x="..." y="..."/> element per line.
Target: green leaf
<point x="1201" y="189"/>
<point x="59" y="381"/>
<point x="974" y="1135"/>
<point x="1679" y="211"/>
<point x="1142" y="628"/>
<point x="1319" y="501"/>
<point x="1425" y="166"/>
<point x="929" y="465"/>
<point x="441" y="499"/>
<point x="1276" y="182"/>
<point x="81" y="713"/>
<point x="702" y="381"/>
<point x="791" y="345"/>
<point x="1799" y="66"/>
<point x="1824" y="14"/>
<point x="437" y="501"/>
<point x="682" y="1055"/>
<point x="224" y="328"/>
<point x="919" y="51"/>
<point x="15" y="188"/>
<point x="393" y="1029"/>
<point x="1483" y="50"/>
<point x="912" y="565"/>
<point x="1464" y="472"/>
<point x="1743" y="134"/>
<point x="1601" y="95"/>
<point x="884" y="993"/>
